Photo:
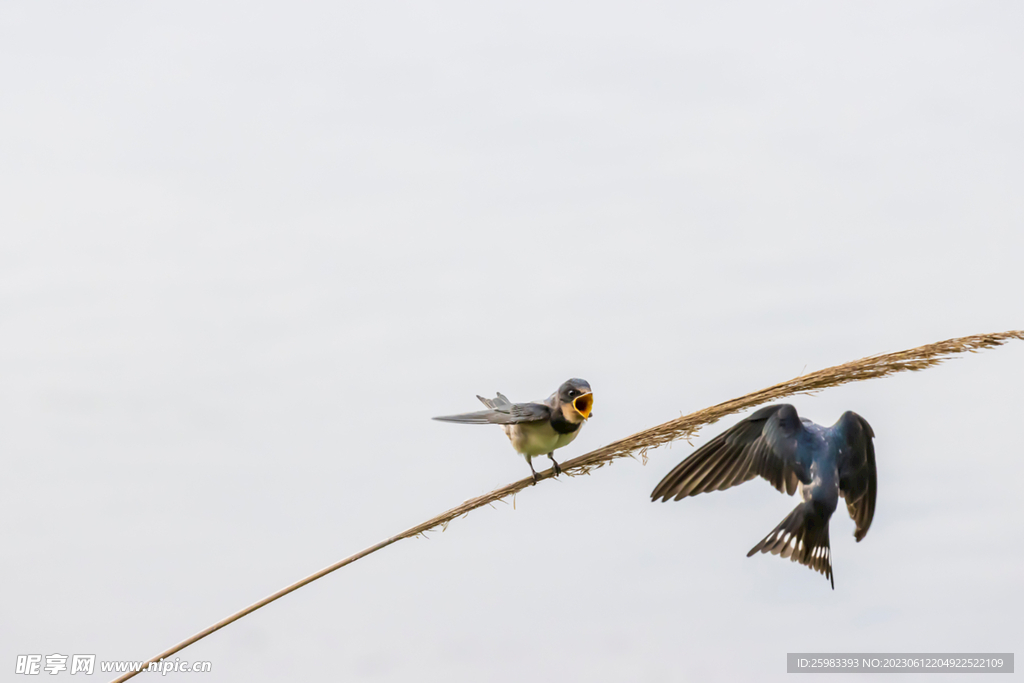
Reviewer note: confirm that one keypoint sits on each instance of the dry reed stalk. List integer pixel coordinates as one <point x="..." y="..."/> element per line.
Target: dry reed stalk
<point x="684" y="427"/>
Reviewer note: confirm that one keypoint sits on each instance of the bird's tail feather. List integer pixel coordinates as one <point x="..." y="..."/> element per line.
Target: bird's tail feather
<point x="803" y="537"/>
<point x="483" y="417"/>
<point x="496" y="402"/>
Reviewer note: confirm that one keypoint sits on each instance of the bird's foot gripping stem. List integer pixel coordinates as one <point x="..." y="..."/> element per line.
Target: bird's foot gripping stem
<point x="556" y="467"/>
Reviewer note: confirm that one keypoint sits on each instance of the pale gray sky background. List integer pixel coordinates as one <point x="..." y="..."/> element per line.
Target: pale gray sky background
<point x="249" y="249"/>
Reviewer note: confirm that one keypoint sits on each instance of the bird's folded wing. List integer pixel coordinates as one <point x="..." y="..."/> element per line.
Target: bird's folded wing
<point x="763" y="444"/>
<point x="858" y="479"/>
<point x="502" y="414"/>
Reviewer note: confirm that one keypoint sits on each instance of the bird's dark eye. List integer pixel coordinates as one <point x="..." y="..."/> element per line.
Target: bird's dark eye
<point x="572" y="392"/>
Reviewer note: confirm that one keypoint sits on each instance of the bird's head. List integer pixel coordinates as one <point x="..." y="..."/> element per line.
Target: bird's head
<point x="576" y="400"/>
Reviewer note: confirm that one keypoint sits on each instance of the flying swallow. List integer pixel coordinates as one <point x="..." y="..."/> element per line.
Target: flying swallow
<point x="536" y="428"/>
<point x="793" y="454"/>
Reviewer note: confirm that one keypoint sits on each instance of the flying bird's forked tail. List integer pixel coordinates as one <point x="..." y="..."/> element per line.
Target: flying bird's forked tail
<point x="803" y="537"/>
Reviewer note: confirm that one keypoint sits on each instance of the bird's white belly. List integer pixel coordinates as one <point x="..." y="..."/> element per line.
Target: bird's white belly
<point x="537" y="438"/>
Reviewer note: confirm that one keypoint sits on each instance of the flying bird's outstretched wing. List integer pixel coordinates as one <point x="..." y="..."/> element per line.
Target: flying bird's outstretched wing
<point x="501" y="411"/>
<point x="858" y="479"/>
<point x="763" y="444"/>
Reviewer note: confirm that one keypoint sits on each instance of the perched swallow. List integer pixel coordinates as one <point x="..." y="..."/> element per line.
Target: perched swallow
<point x="536" y="428"/>
<point x="793" y="454"/>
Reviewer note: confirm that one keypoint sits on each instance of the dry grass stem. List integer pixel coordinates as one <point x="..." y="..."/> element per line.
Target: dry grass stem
<point x="684" y="427"/>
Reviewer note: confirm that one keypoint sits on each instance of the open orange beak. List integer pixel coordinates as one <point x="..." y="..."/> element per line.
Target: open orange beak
<point x="584" y="404"/>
